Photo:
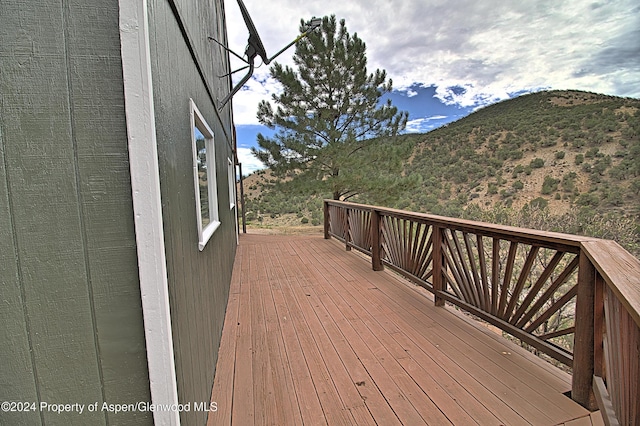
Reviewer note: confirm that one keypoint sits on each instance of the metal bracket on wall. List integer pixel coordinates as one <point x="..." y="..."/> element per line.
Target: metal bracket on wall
<point x="256" y="48"/>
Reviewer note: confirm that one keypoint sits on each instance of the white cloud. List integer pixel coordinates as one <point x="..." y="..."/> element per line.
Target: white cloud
<point x="245" y="103"/>
<point x="411" y="93"/>
<point x="423" y="124"/>
<point x="490" y="49"/>
<point x="415" y="126"/>
<point x="249" y="163"/>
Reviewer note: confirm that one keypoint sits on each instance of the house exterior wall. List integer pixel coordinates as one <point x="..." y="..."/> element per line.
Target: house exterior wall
<point x="186" y="65"/>
<point x="72" y="328"/>
<point x="70" y="305"/>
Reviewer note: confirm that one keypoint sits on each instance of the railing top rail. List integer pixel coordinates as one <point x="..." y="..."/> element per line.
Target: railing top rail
<point x="488" y="229"/>
<point x="619" y="268"/>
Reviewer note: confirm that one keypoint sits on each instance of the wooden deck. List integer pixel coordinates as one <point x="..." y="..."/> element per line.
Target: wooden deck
<point x="313" y="336"/>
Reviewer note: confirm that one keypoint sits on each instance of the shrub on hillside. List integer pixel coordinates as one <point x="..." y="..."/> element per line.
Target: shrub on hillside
<point x="549" y="185"/>
<point x="585" y="221"/>
<point x="537" y="163"/>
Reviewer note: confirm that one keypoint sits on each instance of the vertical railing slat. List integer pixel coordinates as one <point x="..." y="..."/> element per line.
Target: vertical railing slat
<point x="483" y="273"/>
<point x="524" y="274"/>
<point x="474" y="271"/>
<point x="506" y="283"/>
<point x="535" y="289"/>
<point x="376" y="246"/>
<point x="439" y="284"/>
<point x="327" y="221"/>
<point x="546" y="296"/>
<point x="598" y="326"/>
<point x="346" y="229"/>
<point x="495" y="274"/>
<point x="425" y="254"/>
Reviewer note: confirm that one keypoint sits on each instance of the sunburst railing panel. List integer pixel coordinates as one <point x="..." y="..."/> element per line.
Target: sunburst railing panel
<point x="577" y="299"/>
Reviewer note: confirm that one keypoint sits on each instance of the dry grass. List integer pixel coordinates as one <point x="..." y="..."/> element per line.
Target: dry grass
<point x="284" y="230"/>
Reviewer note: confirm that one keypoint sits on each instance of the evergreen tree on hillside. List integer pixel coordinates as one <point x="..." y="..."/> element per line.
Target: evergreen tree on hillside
<point x="327" y="114"/>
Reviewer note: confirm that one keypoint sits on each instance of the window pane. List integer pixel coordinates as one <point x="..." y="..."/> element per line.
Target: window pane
<point x="204" y="177"/>
<point x="231" y="174"/>
<point x="203" y="182"/>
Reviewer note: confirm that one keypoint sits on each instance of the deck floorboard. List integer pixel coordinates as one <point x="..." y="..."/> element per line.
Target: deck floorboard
<point x="313" y="336"/>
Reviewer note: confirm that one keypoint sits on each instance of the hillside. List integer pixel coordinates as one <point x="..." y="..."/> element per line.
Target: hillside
<point x="566" y="147"/>
<point x="565" y="152"/>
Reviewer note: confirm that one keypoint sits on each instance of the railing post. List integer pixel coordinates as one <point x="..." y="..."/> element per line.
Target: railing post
<point x="326" y="220"/>
<point x="583" y="354"/>
<point x="346" y="229"/>
<point x="439" y="283"/>
<point x="376" y="246"/>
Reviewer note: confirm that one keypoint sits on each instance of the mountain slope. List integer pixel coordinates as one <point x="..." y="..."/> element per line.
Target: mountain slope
<point x="574" y="155"/>
<point x="564" y="147"/>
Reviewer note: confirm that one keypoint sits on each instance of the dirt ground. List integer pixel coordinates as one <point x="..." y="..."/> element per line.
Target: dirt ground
<point x="284" y="230"/>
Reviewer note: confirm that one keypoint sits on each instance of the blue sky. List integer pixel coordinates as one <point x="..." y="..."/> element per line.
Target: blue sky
<point x="449" y="57"/>
<point x="426" y="113"/>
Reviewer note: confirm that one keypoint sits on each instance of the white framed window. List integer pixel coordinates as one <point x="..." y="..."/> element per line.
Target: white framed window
<point x="231" y="174"/>
<point x="204" y="176"/>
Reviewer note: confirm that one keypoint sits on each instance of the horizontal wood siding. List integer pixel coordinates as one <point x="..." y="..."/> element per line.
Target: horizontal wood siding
<point x="185" y="65"/>
<point x="69" y="275"/>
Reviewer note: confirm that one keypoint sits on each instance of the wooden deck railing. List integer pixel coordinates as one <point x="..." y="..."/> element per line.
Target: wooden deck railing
<point x="576" y="299"/>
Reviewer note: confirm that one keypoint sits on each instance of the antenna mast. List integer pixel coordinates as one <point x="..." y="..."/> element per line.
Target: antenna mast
<point x="256" y="48"/>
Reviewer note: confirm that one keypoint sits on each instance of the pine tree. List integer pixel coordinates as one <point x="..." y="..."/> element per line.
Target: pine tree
<point x="327" y="113"/>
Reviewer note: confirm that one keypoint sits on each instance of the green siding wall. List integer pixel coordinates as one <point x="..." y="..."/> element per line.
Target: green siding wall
<point x="198" y="281"/>
<point x="70" y="301"/>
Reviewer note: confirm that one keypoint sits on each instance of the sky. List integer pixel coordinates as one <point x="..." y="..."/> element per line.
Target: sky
<point x="447" y="58"/>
